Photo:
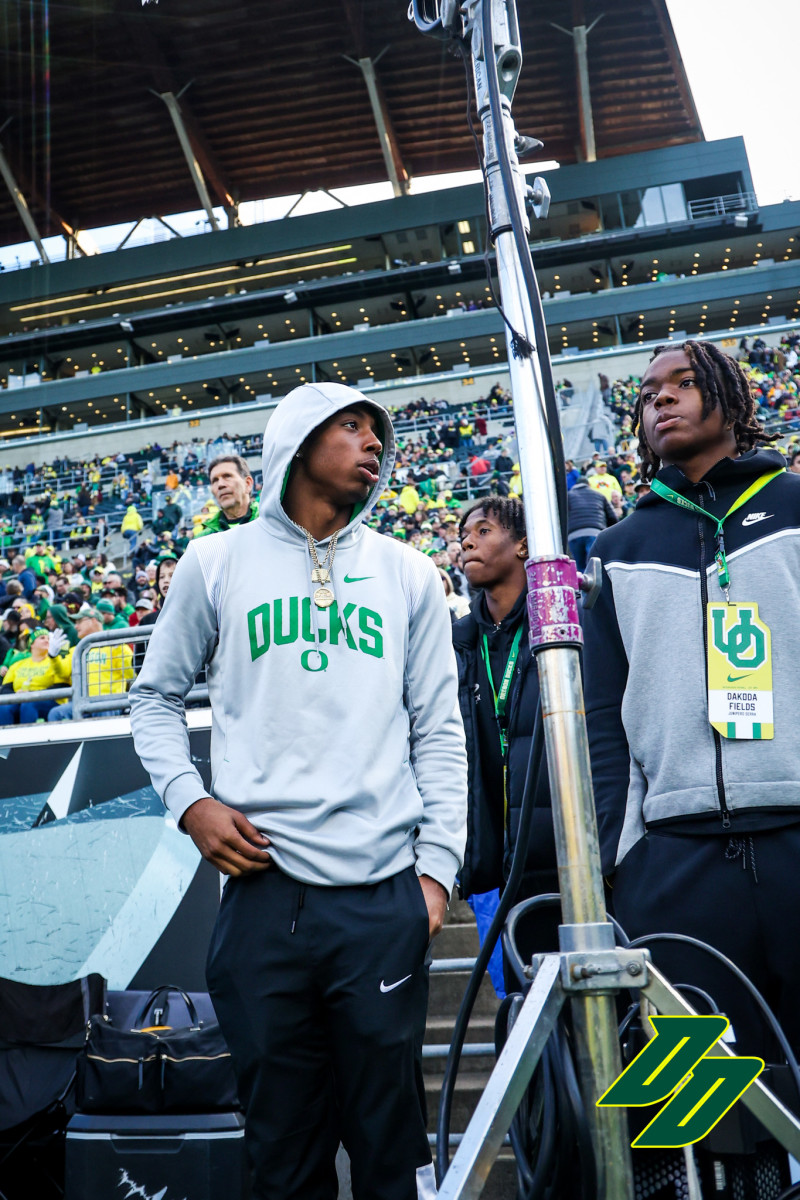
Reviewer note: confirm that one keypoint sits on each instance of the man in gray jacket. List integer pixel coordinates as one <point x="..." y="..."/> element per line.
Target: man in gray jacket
<point x="54" y="524"/>
<point x="338" y="801"/>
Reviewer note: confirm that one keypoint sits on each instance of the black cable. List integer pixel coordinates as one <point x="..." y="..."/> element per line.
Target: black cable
<point x="590" y="1184"/>
<point x="626" y="1020"/>
<point x="573" y="1123"/>
<point x="547" y="1150"/>
<point x="704" y="996"/>
<point x="526" y="262"/>
<point x="769" y="1017"/>
<point x="507" y="1014"/>
<point x="487" y="949"/>
<point x="513" y="956"/>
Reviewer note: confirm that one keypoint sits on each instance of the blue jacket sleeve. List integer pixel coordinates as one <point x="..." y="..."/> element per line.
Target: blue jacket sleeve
<point x="605" y="681"/>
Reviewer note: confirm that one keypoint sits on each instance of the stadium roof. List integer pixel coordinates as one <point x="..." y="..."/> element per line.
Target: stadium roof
<point x="282" y="98"/>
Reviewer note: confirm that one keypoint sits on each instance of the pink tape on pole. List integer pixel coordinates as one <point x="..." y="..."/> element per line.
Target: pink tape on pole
<point x="553" y="602"/>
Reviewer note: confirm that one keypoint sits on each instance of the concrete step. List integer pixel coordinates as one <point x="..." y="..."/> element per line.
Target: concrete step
<point x="457" y="941"/>
<point x="473" y="1064"/>
<point x="459" y="912"/>
<point x="440" y="1029"/>
<point x="439" y="1033"/>
<point x="447" y="990"/>
<point x="468" y="1091"/>
<point x="502" y="1181"/>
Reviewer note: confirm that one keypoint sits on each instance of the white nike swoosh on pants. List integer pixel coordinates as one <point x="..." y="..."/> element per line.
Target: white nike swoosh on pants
<point x="389" y="987"/>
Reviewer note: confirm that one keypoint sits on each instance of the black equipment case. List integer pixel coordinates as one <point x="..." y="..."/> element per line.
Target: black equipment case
<point x="196" y="1157"/>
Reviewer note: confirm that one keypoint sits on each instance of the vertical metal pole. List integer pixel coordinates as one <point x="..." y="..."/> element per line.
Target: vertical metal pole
<point x="579" y="35"/>
<point x="527" y="388"/>
<point x="582" y="902"/>
<point x="555" y="628"/>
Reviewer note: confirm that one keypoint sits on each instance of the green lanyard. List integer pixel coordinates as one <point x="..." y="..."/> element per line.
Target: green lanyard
<point x="500" y="697"/>
<point x="666" y="493"/>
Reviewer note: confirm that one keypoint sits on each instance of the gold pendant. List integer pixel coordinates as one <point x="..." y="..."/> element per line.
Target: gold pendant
<point x="320" y="575"/>
<point x="323" y="597"/>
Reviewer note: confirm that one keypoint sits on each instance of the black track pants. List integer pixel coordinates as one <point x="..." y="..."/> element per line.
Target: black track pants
<point x="322" y="994"/>
<point x="707" y="887"/>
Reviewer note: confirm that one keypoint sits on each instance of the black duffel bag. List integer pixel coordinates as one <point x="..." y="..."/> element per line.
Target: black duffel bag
<point x="156" y="1068"/>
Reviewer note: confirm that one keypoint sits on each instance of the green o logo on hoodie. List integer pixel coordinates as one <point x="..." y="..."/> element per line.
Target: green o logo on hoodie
<point x="284" y="621"/>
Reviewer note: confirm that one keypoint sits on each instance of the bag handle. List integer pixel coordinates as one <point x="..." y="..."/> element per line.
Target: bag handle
<point x="154" y="995"/>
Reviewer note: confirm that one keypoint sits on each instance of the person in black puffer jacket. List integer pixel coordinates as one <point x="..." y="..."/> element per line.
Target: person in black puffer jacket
<point x="494" y="552"/>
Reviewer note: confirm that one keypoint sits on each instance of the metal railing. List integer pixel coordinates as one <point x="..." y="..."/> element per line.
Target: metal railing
<point x="76" y="474"/>
<point x="36" y="697"/>
<point x="100" y="678"/>
<point x="721" y="206"/>
<point x="96" y="676"/>
<point x="60" y="539"/>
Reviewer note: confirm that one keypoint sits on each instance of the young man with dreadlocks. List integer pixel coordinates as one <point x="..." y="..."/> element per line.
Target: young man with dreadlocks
<point x="692" y="692"/>
<point x="499" y="695"/>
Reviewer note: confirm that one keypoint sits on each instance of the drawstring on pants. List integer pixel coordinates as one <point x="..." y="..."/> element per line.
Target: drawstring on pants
<point x="301" y="895"/>
<point x="745" y="848"/>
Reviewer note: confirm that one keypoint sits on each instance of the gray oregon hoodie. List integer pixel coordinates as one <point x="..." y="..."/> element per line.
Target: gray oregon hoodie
<point x="336" y="731"/>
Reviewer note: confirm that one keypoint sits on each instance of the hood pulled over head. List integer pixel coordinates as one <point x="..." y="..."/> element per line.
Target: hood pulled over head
<point x="299" y="413"/>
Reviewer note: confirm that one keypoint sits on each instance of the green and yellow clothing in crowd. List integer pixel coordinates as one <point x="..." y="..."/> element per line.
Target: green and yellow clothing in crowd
<point x="218" y="523"/>
<point x="109" y="669"/>
<point x="25" y="675"/>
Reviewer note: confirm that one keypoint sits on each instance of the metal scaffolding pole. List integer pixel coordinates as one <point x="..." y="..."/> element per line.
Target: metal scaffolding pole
<point x="389" y="146"/>
<point x="173" y="106"/>
<point x="580" y="39"/>
<point x="21" y="205"/>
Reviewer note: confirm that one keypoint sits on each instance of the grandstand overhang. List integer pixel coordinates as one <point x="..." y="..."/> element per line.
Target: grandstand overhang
<point x="275" y="107"/>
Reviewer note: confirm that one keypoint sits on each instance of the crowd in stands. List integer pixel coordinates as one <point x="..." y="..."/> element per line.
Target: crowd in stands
<point x="58" y="583"/>
<point x="774" y="372"/>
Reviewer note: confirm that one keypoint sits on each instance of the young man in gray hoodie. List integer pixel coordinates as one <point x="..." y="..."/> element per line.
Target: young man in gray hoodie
<point x="338" y="803"/>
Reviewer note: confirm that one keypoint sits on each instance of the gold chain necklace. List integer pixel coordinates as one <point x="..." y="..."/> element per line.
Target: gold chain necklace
<point x="323" y="596"/>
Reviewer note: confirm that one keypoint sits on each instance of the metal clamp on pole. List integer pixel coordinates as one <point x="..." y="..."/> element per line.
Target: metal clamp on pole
<point x="591" y="962"/>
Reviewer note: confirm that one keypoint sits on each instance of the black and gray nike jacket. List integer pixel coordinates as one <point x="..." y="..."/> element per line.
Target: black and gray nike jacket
<point x="656" y="760"/>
